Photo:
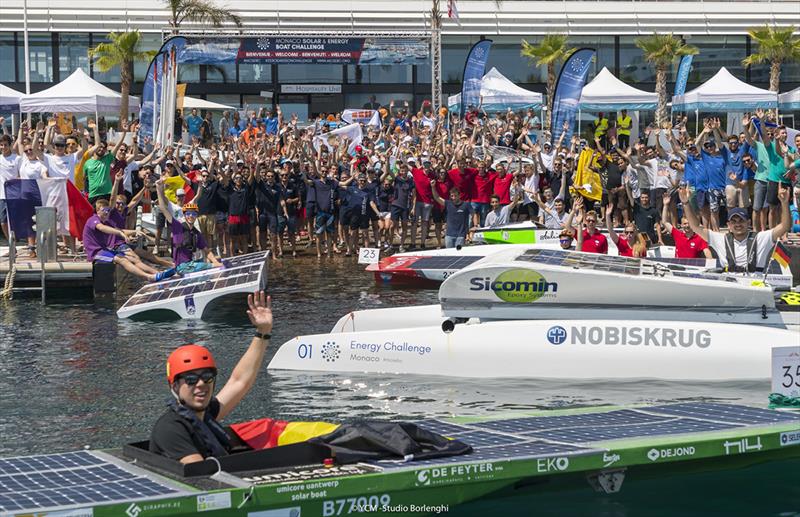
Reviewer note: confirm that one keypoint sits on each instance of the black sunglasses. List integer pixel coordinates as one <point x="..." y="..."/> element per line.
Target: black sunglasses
<point x="208" y="376"/>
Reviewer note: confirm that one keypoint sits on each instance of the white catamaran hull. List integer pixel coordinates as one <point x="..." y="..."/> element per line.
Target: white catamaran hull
<point x="546" y="349"/>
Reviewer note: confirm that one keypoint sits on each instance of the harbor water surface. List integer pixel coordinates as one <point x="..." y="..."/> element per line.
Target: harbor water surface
<point x="73" y="375"/>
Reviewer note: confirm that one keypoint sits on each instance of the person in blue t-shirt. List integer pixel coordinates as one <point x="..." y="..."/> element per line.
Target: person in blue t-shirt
<point x="361" y="202"/>
<point x="193" y="123"/>
<point x="714" y="164"/>
<point x="737" y="193"/>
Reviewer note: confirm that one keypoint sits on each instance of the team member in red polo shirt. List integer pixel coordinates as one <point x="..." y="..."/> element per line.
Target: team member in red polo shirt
<point x="461" y="178"/>
<point x="423" y="205"/>
<point x="502" y="184"/>
<point x="483" y="187"/>
<point x="590" y="239"/>
<point x="688" y="244"/>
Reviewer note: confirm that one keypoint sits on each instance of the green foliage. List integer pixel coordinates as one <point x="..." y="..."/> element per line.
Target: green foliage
<point x="661" y="50"/>
<point x="775" y="45"/>
<point x="551" y="50"/>
<point x="121" y="49"/>
<point x="200" y="11"/>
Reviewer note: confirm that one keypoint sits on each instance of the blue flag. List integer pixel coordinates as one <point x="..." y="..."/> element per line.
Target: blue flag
<point x="568" y="92"/>
<point x="474" y="68"/>
<point x="683" y="75"/>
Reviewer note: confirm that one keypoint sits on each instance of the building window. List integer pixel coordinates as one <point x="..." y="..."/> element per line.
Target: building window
<point x="509" y="62"/>
<point x="604" y="45"/>
<point x="362" y="100"/>
<point x="453" y="58"/>
<point x="7" y="64"/>
<point x="255" y="73"/>
<point x="377" y="74"/>
<point x="112" y="76"/>
<point x="221" y="73"/>
<point x="312" y="73"/>
<point x="717" y="52"/>
<point x="40" y="53"/>
<point x="632" y="66"/>
<point x="147" y="41"/>
<point x="73" y="53"/>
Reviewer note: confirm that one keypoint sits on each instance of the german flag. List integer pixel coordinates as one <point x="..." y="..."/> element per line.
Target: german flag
<point x="781" y="254"/>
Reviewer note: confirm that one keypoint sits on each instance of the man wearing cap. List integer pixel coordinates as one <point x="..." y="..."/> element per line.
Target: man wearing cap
<point x="741" y="250"/>
<point x="189" y="430"/>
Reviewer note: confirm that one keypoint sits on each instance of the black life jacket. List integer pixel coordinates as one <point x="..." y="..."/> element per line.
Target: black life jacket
<point x="210" y="433"/>
<point x="190" y="234"/>
<point x="730" y="255"/>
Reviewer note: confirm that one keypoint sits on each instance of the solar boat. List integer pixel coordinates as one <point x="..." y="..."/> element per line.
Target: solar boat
<point x="519" y="458"/>
<point x="189" y="295"/>
<point x="559" y="314"/>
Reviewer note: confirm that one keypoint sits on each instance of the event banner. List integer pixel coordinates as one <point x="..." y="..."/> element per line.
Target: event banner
<point x="307" y="50"/>
<point x="568" y="92"/>
<point x="683" y="75"/>
<point x="474" y="68"/>
<point x="366" y="117"/>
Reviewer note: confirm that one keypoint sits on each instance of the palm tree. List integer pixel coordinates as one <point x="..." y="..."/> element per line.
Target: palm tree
<point x="661" y="50"/>
<point x="121" y="50"/>
<point x="200" y="11"/>
<point x="553" y="49"/>
<point x="775" y="46"/>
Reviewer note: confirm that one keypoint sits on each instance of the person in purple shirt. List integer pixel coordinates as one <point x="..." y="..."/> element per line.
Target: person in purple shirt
<point x="119" y="217"/>
<point x="187" y="241"/>
<point x="105" y="243"/>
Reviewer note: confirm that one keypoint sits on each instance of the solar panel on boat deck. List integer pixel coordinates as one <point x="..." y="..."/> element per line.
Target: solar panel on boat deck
<point x="444" y="262"/>
<point x="616" y="432"/>
<point x="488" y="439"/>
<point x="530" y="425"/>
<point x="237" y="271"/>
<point x="46" y="482"/>
<point x="573" y="259"/>
<point x="725" y="413"/>
<point x="445" y="428"/>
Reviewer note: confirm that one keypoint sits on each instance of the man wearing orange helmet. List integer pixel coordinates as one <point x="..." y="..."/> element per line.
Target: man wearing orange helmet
<point x="189" y="431"/>
<point x="189" y="248"/>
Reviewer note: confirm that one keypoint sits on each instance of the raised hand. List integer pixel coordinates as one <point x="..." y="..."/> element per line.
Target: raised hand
<point x="666" y="198"/>
<point x="683" y="195"/>
<point x="260" y="311"/>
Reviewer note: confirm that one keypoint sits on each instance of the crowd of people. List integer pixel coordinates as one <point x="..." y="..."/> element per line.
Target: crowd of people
<point x="260" y="180"/>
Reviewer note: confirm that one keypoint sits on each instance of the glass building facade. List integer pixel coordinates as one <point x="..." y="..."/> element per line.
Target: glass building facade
<point x="55" y="55"/>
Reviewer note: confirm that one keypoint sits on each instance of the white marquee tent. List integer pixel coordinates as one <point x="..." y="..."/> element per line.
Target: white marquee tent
<point x="9" y="99"/>
<point x="724" y="92"/>
<point x="789" y="100"/>
<point x="498" y="93"/>
<point x="202" y="104"/>
<point x="607" y="93"/>
<point x="78" y="93"/>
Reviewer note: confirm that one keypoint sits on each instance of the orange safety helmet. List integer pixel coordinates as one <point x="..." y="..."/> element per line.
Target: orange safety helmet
<point x="186" y="358"/>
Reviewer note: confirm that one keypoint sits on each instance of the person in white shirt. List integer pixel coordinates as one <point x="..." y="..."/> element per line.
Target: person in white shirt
<point x="741" y="250"/>
<point x="500" y="215"/>
<point x="9" y="169"/>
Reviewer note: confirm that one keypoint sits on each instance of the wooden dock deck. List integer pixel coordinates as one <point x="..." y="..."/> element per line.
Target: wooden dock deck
<point x="66" y="272"/>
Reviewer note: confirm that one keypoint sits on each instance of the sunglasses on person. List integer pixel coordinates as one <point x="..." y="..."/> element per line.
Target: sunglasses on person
<point x="628" y="232"/>
<point x="591" y="221"/>
<point x="119" y="203"/>
<point x="28" y="151"/>
<point x="190" y="213"/>
<point x="59" y="145"/>
<point x="105" y="210"/>
<point x="207" y="376"/>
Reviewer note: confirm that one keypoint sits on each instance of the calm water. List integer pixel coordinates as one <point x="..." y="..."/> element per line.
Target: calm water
<point x="73" y="374"/>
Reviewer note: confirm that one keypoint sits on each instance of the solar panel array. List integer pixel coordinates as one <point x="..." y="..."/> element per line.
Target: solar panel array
<point x="592" y="261"/>
<point x="39" y="483"/>
<point x="445" y="262"/>
<point x="547" y="436"/>
<point x="236" y="271"/>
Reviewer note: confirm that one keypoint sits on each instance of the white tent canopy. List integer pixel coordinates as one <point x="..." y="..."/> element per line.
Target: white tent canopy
<point x="202" y="104"/>
<point x="499" y="93"/>
<point x="786" y="101"/>
<point x="724" y="92"/>
<point x="78" y="93"/>
<point x="9" y="99"/>
<point x="606" y="92"/>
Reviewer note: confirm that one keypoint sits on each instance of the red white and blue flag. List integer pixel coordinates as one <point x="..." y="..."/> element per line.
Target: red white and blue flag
<point x="24" y="195"/>
<point x="452" y="10"/>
